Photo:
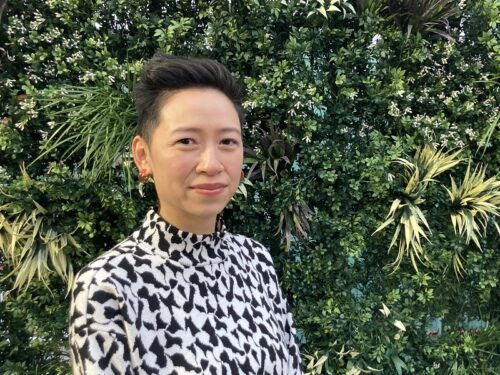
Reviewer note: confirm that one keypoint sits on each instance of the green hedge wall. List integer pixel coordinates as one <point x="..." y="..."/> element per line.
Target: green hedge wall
<point x="336" y="91"/>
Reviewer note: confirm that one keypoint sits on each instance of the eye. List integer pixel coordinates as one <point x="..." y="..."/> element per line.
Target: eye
<point x="229" y="142"/>
<point x="186" y="141"/>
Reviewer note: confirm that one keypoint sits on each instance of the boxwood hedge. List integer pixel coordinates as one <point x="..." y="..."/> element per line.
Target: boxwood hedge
<point x="336" y="91"/>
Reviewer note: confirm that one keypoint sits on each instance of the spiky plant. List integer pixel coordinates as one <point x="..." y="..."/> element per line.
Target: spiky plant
<point x="98" y="122"/>
<point x="276" y="153"/>
<point x="31" y="247"/>
<point x="411" y="225"/>
<point x="474" y="202"/>
<point x="428" y="163"/>
<point x="430" y="16"/>
<point x="294" y="219"/>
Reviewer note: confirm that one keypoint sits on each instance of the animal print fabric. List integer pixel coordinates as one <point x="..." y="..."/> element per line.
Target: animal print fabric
<point x="166" y="301"/>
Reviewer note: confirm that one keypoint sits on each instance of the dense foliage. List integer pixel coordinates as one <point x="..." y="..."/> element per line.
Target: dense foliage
<point x="336" y="91"/>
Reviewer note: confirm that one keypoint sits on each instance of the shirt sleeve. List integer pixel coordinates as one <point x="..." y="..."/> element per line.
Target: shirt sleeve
<point x="293" y="363"/>
<point x="97" y="336"/>
<point x="294" y="366"/>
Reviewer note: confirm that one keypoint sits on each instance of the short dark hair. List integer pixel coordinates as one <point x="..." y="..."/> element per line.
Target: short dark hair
<point x="163" y="75"/>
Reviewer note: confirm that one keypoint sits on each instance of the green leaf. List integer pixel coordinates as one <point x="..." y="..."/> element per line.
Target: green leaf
<point x="398" y="364"/>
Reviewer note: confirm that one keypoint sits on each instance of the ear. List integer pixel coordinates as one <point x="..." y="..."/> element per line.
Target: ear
<point x="142" y="159"/>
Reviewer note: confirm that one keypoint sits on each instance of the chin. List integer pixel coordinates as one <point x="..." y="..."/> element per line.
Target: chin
<point x="208" y="212"/>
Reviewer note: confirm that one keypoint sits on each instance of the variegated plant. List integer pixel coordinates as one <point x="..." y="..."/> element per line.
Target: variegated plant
<point x="328" y="7"/>
<point x="474" y="202"/>
<point x="31" y="247"/>
<point x="411" y="226"/>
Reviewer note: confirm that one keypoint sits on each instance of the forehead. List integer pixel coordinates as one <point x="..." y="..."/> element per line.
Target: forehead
<point x="198" y="109"/>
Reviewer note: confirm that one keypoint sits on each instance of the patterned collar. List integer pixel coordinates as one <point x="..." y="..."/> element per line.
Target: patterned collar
<point x="184" y="248"/>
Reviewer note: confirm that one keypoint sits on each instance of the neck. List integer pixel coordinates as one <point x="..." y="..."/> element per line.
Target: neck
<point x="196" y="225"/>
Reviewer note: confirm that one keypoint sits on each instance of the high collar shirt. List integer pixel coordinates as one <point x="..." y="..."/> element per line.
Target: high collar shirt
<point x="165" y="301"/>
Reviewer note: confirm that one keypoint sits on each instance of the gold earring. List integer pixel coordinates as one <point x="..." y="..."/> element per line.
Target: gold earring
<point x="144" y="178"/>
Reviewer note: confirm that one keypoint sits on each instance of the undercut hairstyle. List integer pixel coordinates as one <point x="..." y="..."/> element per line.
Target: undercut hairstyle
<point x="163" y="75"/>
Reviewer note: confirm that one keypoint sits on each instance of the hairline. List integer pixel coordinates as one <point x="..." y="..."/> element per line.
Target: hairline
<point x="162" y="99"/>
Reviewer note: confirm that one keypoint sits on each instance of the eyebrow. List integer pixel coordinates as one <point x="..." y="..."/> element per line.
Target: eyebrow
<point x="199" y="130"/>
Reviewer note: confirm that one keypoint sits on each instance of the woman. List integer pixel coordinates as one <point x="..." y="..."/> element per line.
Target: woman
<point x="182" y="295"/>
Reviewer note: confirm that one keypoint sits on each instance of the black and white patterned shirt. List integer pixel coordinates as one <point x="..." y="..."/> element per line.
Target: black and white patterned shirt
<point x="166" y="301"/>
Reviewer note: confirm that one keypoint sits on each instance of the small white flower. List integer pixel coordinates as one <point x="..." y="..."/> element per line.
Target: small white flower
<point x="377" y="38"/>
<point x="20" y="125"/>
<point x="470" y="132"/>
<point x="27" y="104"/>
<point x="394" y="110"/>
<point x="249" y="104"/>
<point x="469" y="106"/>
<point x="298" y="105"/>
<point x="34" y="78"/>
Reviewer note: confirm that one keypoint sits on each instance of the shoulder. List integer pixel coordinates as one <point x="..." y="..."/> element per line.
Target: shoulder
<point x="104" y="269"/>
<point x="258" y="262"/>
<point x="251" y="248"/>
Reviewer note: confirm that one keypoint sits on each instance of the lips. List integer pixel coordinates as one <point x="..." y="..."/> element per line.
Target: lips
<point x="215" y="186"/>
<point x="210" y="190"/>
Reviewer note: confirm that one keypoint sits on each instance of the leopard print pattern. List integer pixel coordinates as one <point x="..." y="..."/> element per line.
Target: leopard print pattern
<point x="166" y="301"/>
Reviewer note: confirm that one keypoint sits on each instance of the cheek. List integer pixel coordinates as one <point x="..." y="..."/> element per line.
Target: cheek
<point x="173" y="169"/>
<point x="234" y="167"/>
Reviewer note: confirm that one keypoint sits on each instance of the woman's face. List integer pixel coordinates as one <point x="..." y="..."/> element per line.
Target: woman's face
<point x="195" y="156"/>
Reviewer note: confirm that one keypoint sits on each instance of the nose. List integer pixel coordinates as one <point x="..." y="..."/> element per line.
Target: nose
<point x="209" y="162"/>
